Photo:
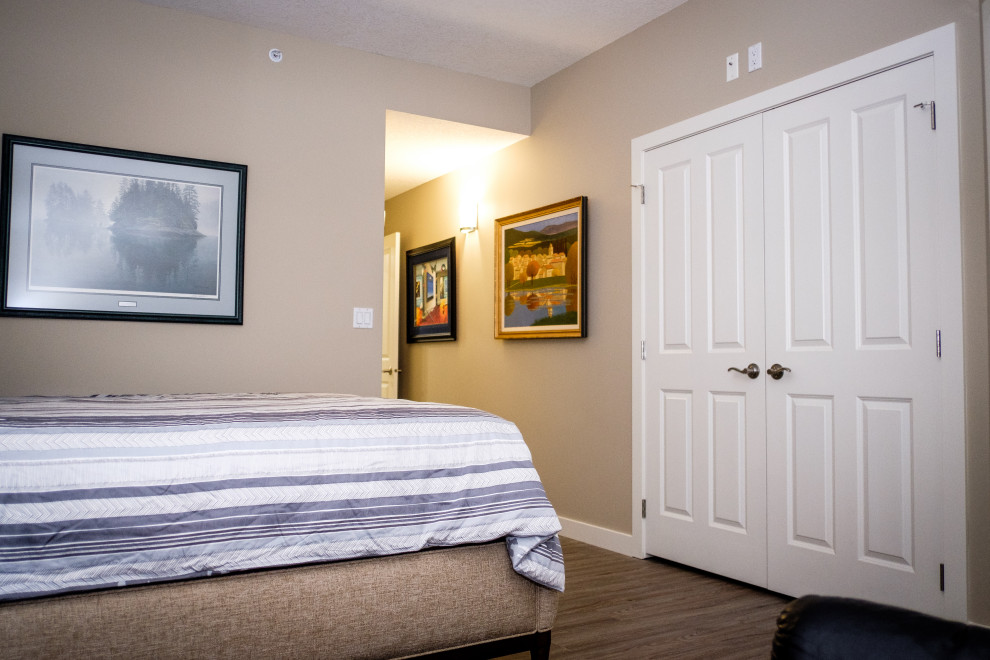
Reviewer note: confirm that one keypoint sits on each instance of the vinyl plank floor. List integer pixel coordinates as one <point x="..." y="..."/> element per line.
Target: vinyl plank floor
<point x="620" y="607"/>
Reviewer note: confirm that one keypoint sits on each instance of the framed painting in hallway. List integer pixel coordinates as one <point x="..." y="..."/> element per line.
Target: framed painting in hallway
<point x="431" y="301"/>
<point x="540" y="273"/>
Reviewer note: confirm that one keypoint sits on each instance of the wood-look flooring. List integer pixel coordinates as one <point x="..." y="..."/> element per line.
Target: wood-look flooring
<point x="620" y="607"/>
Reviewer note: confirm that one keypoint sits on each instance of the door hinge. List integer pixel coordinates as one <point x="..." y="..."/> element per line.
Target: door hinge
<point x="642" y="192"/>
<point x="644" y="508"/>
<point x="642" y="350"/>
<point x="938" y="343"/>
<point x="925" y="106"/>
<point x="941" y="577"/>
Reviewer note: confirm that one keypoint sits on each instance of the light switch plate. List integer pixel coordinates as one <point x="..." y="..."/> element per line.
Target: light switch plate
<point x="364" y="317"/>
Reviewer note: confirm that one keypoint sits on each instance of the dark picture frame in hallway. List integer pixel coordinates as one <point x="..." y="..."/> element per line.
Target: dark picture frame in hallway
<point x="431" y="292"/>
<point x="540" y="273"/>
<point x="92" y="232"/>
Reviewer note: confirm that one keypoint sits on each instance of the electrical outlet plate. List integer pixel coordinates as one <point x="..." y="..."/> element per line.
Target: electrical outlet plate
<point x="732" y="67"/>
<point x="756" y="56"/>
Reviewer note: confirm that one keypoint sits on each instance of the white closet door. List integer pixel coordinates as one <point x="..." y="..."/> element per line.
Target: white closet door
<point x="704" y="314"/>
<point x="852" y="429"/>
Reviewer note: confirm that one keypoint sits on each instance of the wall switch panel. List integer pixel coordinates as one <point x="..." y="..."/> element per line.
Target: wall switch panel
<point x="364" y="317"/>
<point x="732" y="67"/>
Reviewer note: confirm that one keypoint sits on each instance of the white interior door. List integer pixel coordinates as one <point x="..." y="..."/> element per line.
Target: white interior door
<point x="704" y="315"/>
<point x="828" y="479"/>
<point x="852" y="439"/>
<point x="390" y="317"/>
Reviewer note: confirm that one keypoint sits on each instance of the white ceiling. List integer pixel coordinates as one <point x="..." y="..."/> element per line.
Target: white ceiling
<point x="516" y="41"/>
<point x="419" y="149"/>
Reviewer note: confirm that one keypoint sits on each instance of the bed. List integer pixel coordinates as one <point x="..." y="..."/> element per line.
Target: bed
<point x="270" y="525"/>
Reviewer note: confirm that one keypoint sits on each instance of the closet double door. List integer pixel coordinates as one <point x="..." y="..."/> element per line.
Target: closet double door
<point x="792" y="377"/>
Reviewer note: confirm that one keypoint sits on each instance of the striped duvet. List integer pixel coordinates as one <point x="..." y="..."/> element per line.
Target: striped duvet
<point x="114" y="490"/>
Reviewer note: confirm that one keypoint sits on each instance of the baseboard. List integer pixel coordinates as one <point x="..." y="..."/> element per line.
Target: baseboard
<point x="601" y="537"/>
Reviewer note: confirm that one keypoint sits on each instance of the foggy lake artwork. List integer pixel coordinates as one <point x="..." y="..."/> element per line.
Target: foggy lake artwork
<point x="95" y="232"/>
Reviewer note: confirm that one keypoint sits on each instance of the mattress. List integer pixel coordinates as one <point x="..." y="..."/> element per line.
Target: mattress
<point x="115" y="490"/>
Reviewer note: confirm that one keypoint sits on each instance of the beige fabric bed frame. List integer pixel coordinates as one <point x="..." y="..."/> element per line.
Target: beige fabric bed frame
<point x="445" y="600"/>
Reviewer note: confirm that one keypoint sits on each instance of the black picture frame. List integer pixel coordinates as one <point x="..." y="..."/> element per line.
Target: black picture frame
<point x="93" y="232"/>
<point x="431" y="292"/>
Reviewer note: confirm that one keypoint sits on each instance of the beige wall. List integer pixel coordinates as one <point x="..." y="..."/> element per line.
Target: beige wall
<point x="572" y="397"/>
<point x="311" y="131"/>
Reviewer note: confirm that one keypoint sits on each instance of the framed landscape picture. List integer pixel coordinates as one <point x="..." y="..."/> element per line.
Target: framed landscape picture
<point x="431" y="301"/>
<point x="100" y="233"/>
<point x="540" y="273"/>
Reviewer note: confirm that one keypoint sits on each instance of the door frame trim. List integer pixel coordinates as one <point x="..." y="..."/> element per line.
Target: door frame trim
<point x="941" y="45"/>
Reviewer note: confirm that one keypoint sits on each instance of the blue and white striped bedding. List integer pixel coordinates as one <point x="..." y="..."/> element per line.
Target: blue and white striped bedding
<point x="114" y="490"/>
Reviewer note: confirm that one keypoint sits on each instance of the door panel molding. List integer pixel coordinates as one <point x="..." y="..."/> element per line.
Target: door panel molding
<point x="727" y="461"/>
<point x="675" y="445"/>
<point x="880" y="208"/>
<point x="725" y="250"/>
<point x="675" y="250"/>
<point x="807" y="227"/>
<point x="811" y="472"/>
<point x="884" y="442"/>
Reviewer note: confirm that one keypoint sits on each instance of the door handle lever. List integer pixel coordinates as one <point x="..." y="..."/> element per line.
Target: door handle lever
<point x="390" y="371"/>
<point x="776" y="371"/>
<point x="753" y="371"/>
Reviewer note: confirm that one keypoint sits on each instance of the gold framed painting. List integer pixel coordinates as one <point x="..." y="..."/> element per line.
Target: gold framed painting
<point x="540" y="272"/>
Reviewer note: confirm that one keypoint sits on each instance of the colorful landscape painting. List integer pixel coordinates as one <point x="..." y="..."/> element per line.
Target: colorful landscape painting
<point x="541" y="279"/>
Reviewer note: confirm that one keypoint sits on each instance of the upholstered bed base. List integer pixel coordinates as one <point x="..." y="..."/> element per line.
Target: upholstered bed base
<point x="384" y="607"/>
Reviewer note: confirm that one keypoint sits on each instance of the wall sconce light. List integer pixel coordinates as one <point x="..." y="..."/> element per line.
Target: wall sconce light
<point x="469" y="217"/>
